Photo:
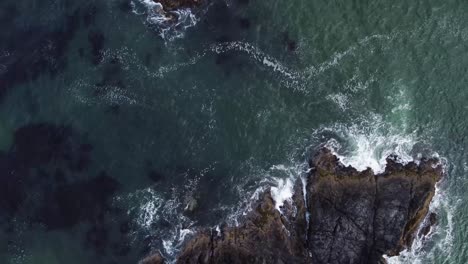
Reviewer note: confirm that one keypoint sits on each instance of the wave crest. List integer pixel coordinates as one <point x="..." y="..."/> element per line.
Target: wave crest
<point x="170" y="25"/>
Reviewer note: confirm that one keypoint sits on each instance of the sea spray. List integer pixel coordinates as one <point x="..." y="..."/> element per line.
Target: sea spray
<point x="367" y="143"/>
<point x="170" y="25"/>
<point x="148" y="208"/>
<point x="282" y="192"/>
<point x="278" y="179"/>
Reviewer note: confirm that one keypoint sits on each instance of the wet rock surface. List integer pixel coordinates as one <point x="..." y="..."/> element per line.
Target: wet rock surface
<point x="261" y="239"/>
<point x="353" y="217"/>
<point x="154" y="259"/>
<point x="356" y="217"/>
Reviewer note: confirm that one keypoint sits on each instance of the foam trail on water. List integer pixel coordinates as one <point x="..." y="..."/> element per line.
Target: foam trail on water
<point x="292" y="78"/>
<point x="337" y="57"/>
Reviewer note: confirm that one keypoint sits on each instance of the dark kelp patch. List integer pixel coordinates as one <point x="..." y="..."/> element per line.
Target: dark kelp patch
<point x="41" y="185"/>
<point x="49" y="161"/>
<point x="44" y="52"/>
<point x="96" y="41"/>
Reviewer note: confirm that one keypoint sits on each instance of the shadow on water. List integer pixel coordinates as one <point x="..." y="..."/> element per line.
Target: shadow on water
<point x="36" y="48"/>
<point x="46" y="182"/>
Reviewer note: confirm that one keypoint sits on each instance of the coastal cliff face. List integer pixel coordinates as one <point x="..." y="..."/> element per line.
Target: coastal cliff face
<point x="346" y="216"/>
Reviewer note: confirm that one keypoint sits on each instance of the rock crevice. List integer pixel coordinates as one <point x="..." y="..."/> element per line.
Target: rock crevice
<point x="345" y="216"/>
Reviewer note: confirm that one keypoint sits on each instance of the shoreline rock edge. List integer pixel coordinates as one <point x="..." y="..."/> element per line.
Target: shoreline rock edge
<point x="345" y="216"/>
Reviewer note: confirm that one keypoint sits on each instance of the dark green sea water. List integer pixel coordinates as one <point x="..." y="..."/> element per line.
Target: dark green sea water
<point x="107" y="129"/>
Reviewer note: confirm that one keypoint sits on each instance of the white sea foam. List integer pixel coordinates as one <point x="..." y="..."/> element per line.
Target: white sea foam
<point x="292" y="78"/>
<point x="279" y="179"/>
<point x="442" y="233"/>
<point x="282" y="192"/>
<point x="170" y="25"/>
<point x="150" y="208"/>
<point x="368" y="143"/>
<point x="283" y="185"/>
<point x="245" y="204"/>
<point x="171" y="245"/>
<point x="288" y="77"/>
<point x="82" y="90"/>
<point x="337" y="57"/>
<point x="340" y="99"/>
<point x="295" y="79"/>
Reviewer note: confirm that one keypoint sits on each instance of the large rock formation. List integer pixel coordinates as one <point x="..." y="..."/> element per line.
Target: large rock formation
<point x="356" y="217"/>
<point x="346" y="216"/>
<point x="265" y="237"/>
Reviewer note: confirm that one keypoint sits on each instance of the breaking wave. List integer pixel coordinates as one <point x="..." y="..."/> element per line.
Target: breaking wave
<point x="150" y="209"/>
<point x="441" y="234"/>
<point x="169" y="25"/>
<point x="367" y="144"/>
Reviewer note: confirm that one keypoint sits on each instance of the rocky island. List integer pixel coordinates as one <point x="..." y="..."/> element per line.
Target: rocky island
<point x="344" y="216"/>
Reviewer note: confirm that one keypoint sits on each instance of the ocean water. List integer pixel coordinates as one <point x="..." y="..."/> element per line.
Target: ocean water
<point x="113" y="119"/>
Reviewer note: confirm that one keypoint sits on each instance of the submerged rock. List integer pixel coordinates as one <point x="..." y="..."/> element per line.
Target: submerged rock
<point x="192" y="205"/>
<point x="346" y="216"/>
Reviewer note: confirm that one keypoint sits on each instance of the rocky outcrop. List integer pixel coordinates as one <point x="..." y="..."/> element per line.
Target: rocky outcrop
<point x="153" y="259"/>
<point x="356" y="217"/>
<point x="265" y="237"/>
<point x="346" y="216"/>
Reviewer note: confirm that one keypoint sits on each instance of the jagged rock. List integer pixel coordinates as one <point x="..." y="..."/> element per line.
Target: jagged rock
<point x="430" y="222"/>
<point x="262" y="238"/>
<point x="346" y="217"/>
<point x="356" y="217"/>
<point x="153" y="259"/>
